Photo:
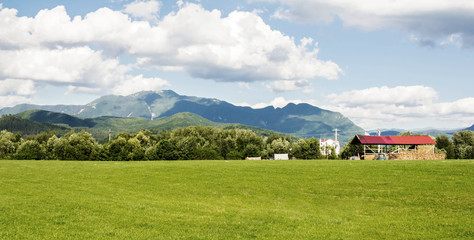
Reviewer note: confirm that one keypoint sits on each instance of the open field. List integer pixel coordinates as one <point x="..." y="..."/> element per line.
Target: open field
<point x="237" y="199"/>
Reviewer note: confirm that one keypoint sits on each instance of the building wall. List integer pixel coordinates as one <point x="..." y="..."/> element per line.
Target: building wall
<point x="330" y="143"/>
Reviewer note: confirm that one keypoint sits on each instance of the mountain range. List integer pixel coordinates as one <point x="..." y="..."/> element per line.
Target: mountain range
<point x="302" y="120"/>
<point x="32" y="122"/>
<point x="429" y="131"/>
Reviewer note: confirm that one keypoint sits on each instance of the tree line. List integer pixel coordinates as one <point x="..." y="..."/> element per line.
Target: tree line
<point x="460" y="146"/>
<point x="190" y="143"/>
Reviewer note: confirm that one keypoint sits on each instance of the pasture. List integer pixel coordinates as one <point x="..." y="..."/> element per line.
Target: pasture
<point x="237" y="200"/>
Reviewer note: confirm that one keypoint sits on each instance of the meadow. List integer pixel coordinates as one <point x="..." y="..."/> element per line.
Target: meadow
<point x="237" y="199"/>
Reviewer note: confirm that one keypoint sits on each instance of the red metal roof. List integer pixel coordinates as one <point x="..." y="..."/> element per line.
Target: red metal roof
<point x="393" y="140"/>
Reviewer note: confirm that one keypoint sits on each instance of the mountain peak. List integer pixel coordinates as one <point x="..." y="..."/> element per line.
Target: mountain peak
<point x="300" y="119"/>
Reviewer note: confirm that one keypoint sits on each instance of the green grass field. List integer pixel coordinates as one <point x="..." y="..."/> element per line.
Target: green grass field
<point x="237" y="200"/>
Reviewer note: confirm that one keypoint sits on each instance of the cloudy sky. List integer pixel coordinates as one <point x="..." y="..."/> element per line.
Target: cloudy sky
<point x="383" y="63"/>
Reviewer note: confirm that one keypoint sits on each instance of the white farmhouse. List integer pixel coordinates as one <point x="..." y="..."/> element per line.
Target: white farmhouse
<point x="326" y="145"/>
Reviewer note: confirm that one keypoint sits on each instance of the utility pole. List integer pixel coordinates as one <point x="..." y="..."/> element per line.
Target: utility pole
<point x="378" y="147"/>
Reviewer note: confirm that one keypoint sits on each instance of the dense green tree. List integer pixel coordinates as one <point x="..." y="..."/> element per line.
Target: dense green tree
<point x="61" y="149"/>
<point x="463" y="144"/>
<point x="206" y="154"/>
<point x="8" y="143"/>
<point x="226" y="144"/>
<point x="251" y="150"/>
<point x="84" y="145"/>
<point x="30" y="150"/>
<point x="181" y="143"/>
<point x="234" y="155"/>
<point x="443" y="142"/>
<point x="246" y="137"/>
<point x="308" y="149"/>
<point x="279" y="146"/>
<point x="350" y="150"/>
<point x="43" y="137"/>
<point x="117" y="149"/>
<point x="135" y="150"/>
<point x="163" y="150"/>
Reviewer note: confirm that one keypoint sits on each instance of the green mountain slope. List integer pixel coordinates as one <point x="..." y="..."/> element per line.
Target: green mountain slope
<point x="100" y="126"/>
<point x="300" y="119"/>
<point x="25" y="127"/>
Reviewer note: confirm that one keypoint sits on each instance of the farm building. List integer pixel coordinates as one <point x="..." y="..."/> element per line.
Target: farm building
<point x="397" y="147"/>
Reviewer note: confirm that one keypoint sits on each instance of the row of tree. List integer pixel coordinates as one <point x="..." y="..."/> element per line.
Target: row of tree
<point x="179" y="144"/>
<point x="461" y="146"/>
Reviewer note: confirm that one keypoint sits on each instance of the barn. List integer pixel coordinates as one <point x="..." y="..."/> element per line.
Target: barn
<point x="397" y="147"/>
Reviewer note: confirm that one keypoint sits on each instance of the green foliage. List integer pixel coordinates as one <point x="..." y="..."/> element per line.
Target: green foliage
<point x="279" y="146"/>
<point x="30" y="150"/>
<point x="163" y="150"/>
<point x="206" y="154"/>
<point x="8" y="143"/>
<point x="407" y="133"/>
<point x="350" y="150"/>
<point x="308" y="149"/>
<point x="443" y="142"/>
<point x="464" y="144"/>
<point x="25" y="127"/>
<point x="117" y="149"/>
<point x="252" y="150"/>
<point x="234" y="155"/>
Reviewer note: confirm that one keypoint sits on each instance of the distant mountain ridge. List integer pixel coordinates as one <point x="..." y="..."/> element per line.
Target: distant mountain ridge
<point x="430" y="132"/>
<point x="299" y="119"/>
<point x="32" y="122"/>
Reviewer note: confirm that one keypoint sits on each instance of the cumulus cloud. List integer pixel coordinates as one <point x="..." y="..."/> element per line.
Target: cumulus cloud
<point x="62" y="65"/>
<point x="239" y="47"/>
<point x="139" y="83"/>
<point x="146" y="10"/>
<point x="401" y="95"/>
<point x="385" y="107"/>
<point x="17" y="87"/>
<point x="288" y="85"/>
<point x="430" y="19"/>
<point x="15" y="91"/>
<point x="12" y="100"/>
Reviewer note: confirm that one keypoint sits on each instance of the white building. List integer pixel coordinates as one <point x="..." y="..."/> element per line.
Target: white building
<point x="326" y="145"/>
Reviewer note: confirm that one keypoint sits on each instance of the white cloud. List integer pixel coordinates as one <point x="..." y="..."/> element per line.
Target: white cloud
<point x="12" y="100"/>
<point x="401" y="95"/>
<point x="80" y="65"/>
<point x="244" y="85"/>
<point x="385" y="107"/>
<point x="139" y="83"/>
<point x="17" y="87"/>
<point x="288" y="85"/>
<point x="239" y="47"/>
<point x="146" y="10"/>
<point x="278" y="102"/>
<point x="432" y="19"/>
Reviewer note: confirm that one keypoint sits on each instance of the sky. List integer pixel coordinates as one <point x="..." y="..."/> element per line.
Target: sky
<point x="406" y="64"/>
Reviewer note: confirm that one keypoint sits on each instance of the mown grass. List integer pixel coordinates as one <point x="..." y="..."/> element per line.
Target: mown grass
<point x="237" y="200"/>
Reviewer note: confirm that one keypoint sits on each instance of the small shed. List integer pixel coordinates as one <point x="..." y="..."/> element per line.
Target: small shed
<point x="397" y="147"/>
<point x="281" y="156"/>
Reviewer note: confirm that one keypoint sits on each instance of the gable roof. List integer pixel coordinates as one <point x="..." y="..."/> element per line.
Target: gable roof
<point x="393" y="140"/>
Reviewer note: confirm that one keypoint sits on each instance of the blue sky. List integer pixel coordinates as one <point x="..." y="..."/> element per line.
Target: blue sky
<point x="384" y="64"/>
